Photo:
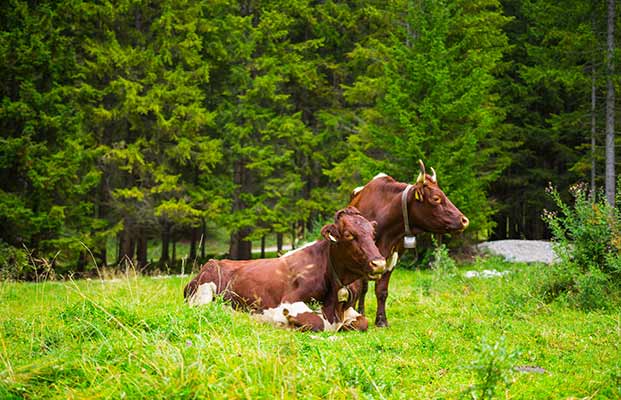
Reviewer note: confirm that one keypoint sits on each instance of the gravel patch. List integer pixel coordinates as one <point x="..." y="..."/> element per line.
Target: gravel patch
<point x="521" y="250"/>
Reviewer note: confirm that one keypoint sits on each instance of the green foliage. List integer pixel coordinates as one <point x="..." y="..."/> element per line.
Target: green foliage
<point x="587" y="237"/>
<point x="47" y="173"/>
<point x="592" y="290"/>
<point x="428" y="92"/>
<point x="493" y="368"/>
<point x="129" y="121"/>
<point x="554" y="63"/>
<point x="14" y="263"/>
<point x="587" y="233"/>
<point x="442" y="262"/>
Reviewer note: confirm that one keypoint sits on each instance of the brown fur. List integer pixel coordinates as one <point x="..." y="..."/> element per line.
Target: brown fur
<point x="380" y="200"/>
<point x="306" y="322"/>
<point x="302" y="276"/>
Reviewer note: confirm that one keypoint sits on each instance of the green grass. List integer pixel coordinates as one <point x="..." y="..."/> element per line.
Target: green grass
<point x="134" y="338"/>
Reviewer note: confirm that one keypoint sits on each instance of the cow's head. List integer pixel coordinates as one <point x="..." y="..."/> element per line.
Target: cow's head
<point x="429" y="208"/>
<point x="353" y="251"/>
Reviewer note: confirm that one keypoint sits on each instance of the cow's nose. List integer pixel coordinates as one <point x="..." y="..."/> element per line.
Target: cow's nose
<point x="465" y="221"/>
<point x="378" y="266"/>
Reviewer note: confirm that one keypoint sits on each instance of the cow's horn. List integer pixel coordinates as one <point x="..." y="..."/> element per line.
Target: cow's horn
<point x="421" y="175"/>
<point x="433" y="175"/>
<point x="332" y="238"/>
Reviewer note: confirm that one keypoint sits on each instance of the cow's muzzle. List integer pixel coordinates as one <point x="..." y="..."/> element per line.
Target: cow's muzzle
<point x="458" y="225"/>
<point x="377" y="268"/>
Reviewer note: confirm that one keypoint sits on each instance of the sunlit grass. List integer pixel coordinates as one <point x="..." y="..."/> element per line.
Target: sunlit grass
<point x="133" y="337"/>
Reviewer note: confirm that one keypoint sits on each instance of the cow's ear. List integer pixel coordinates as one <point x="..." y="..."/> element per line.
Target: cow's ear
<point x="330" y="232"/>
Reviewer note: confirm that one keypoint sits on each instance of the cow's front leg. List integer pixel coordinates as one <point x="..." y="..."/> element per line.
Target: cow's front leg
<point x="381" y="293"/>
<point x="364" y="287"/>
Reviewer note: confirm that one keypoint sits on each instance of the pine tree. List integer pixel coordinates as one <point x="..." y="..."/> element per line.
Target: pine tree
<point x="555" y="70"/>
<point x="47" y="168"/>
<point x="428" y="93"/>
<point x="263" y="73"/>
<point x="140" y="88"/>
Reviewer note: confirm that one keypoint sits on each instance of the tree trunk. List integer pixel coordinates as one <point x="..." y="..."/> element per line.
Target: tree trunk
<point x="119" y="246"/>
<point x="610" y="107"/>
<point x="82" y="261"/>
<point x="141" y="250"/>
<point x="174" y="251"/>
<point x="203" y="237"/>
<point x="100" y="251"/>
<point x="279" y="241"/>
<point x="293" y="235"/>
<point x="263" y="246"/>
<point x="164" y="258"/>
<point x="132" y="248"/>
<point x="593" y="129"/>
<point x="101" y="257"/>
<point x="193" y="243"/>
<point x="127" y="246"/>
<point x="302" y="228"/>
<point x="240" y="248"/>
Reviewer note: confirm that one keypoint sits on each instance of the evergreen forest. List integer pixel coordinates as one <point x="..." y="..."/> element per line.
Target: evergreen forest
<point x="149" y="123"/>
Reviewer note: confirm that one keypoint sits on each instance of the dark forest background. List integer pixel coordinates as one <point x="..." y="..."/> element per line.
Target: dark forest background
<point x="141" y="122"/>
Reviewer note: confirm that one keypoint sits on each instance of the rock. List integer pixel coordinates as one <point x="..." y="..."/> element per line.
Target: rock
<point x="521" y="250"/>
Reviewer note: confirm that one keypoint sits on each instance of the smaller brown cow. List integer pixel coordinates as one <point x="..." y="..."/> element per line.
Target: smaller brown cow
<point x="277" y="289"/>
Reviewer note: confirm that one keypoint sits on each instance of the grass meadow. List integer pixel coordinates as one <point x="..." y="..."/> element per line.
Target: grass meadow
<point x="449" y="338"/>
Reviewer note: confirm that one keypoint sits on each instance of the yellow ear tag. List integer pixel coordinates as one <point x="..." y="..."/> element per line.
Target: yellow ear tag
<point x="416" y="195"/>
<point x="342" y="295"/>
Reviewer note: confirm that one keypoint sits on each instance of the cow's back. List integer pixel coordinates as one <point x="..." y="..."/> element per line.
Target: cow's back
<point x="375" y="200"/>
<point x="380" y="201"/>
<point x="252" y="284"/>
<point x="265" y="283"/>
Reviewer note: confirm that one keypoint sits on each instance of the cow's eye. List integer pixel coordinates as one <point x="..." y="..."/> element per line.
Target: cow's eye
<point x="348" y="236"/>
<point x="436" y="199"/>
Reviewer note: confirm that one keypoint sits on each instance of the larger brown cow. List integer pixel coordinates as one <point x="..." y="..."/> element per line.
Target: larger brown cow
<point x="319" y="272"/>
<point x="402" y="210"/>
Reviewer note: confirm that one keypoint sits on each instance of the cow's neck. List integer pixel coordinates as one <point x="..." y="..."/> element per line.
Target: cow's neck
<point x="332" y="308"/>
<point x="391" y="230"/>
<point x="337" y="268"/>
<point x="336" y="279"/>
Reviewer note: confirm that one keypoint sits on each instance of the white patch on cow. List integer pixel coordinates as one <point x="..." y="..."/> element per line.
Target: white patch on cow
<point x="392" y="261"/>
<point x="357" y="190"/>
<point x="331" y="327"/>
<point x="277" y="316"/>
<point x="203" y="295"/>
<point x="287" y="254"/>
<point x="380" y="175"/>
<point x="349" y="316"/>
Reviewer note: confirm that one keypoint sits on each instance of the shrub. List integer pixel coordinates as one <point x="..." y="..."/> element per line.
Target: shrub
<point x="442" y="261"/>
<point x="591" y="290"/>
<point x="493" y="368"/>
<point x="13" y="262"/>
<point x="587" y="239"/>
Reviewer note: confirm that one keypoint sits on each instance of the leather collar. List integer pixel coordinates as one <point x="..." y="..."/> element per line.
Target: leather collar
<point x="404" y="209"/>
